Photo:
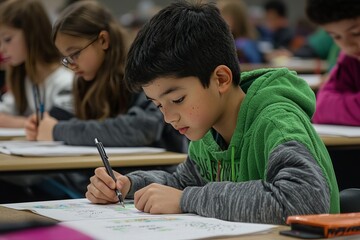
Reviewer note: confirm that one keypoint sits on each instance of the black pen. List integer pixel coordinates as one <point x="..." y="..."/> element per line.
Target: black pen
<point x="109" y="170"/>
<point x="39" y="105"/>
<point x="36" y="102"/>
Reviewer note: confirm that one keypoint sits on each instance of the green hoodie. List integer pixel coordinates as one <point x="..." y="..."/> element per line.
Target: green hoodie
<point x="275" y="166"/>
<point x="277" y="109"/>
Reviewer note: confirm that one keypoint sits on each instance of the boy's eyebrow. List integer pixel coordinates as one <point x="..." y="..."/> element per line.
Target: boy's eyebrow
<point x="167" y="91"/>
<point x="351" y="27"/>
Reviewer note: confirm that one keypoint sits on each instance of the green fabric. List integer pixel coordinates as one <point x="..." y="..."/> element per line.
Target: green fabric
<point x="333" y="56"/>
<point x="324" y="46"/>
<point x="321" y="42"/>
<point x="277" y="109"/>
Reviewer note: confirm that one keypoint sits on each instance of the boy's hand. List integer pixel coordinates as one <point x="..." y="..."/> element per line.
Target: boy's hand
<point x="31" y="129"/>
<point x="102" y="187"/>
<point x="158" y="199"/>
<point x="45" y="129"/>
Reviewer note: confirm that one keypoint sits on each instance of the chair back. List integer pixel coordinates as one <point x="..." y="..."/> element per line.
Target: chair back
<point x="350" y="200"/>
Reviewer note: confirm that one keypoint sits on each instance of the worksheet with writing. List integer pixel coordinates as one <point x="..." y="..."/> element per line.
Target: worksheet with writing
<point x="77" y="209"/>
<point x="164" y="227"/>
<point x="112" y="221"/>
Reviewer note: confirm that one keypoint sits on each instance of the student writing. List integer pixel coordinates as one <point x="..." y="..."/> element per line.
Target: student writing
<point x="93" y="46"/>
<point x="33" y="63"/>
<point x="338" y="101"/>
<point x="254" y="155"/>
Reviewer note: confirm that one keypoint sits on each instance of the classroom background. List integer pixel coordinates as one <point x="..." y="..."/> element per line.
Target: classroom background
<point x="132" y="14"/>
<point x="343" y="148"/>
<point x="124" y="6"/>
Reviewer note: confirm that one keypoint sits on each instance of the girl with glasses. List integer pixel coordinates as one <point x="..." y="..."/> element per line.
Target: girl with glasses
<point x="93" y="45"/>
<point x="36" y="81"/>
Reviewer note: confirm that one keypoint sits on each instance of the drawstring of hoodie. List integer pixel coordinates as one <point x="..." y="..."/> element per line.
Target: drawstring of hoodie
<point x="232" y="160"/>
<point x="233" y="163"/>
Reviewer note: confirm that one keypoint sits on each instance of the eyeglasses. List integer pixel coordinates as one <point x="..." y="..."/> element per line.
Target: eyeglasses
<point x="66" y="61"/>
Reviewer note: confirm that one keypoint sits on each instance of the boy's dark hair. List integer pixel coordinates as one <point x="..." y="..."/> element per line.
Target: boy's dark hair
<point x="182" y="40"/>
<point x="327" y="11"/>
<point x="276" y="6"/>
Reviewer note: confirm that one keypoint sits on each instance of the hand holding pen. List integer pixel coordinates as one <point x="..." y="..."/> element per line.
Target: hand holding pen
<point x="108" y="168"/>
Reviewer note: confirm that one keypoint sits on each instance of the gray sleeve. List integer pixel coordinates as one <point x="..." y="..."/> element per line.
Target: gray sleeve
<point x="140" y="126"/>
<point x="186" y="174"/>
<point x="294" y="185"/>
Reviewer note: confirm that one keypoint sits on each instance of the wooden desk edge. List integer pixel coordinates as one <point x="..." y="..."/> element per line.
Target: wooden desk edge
<point x="340" y="141"/>
<point x="16" y="163"/>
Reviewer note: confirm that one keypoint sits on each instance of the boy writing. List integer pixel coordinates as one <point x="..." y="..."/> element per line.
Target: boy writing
<point x="254" y="156"/>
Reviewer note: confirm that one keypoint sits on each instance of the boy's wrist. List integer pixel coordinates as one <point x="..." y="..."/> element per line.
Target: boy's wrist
<point x="135" y="183"/>
<point x="127" y="185"/>
<point x="188" y="199"/>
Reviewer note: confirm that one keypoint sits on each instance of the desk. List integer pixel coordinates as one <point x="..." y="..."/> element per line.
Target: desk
<point x="339" y="141"/>
<point x="16" y="163"/>
<point x="11" y="215"/>
<point x="299" y="65"/>
<point x="16" y="167"/>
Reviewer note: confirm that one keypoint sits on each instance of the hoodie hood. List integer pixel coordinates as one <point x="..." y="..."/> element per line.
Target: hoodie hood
<point x="266" y="87"/>
<point x="267" y="91"/>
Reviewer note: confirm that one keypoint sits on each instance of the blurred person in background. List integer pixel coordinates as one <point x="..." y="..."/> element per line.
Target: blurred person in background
<point x="235" y="15"/>
<point x="277" y="22"/>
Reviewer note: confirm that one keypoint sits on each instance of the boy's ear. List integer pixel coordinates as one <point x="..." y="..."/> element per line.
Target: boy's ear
<point x="104" y="39"/>
<point x="223" y="77"/>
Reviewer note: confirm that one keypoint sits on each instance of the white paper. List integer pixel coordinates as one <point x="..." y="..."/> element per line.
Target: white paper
<point x="337" y="130"/>
<point x="158" y="227"/>
<point x="77" y="209"/>
<point x="25" y="143"/>
<point x="12" y="132"/>
<point x="114" y="222"/>
<point x="44" y="148"/>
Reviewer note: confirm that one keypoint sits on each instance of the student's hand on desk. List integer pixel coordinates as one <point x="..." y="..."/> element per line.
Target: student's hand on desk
<point x="31" y="128"/>
<point x="102" y="187"/>
<point x="158" y="199"/>
<point x="45" y="129"/>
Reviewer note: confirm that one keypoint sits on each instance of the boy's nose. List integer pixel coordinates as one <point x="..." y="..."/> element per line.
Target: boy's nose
<point x="169" y="117"/>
